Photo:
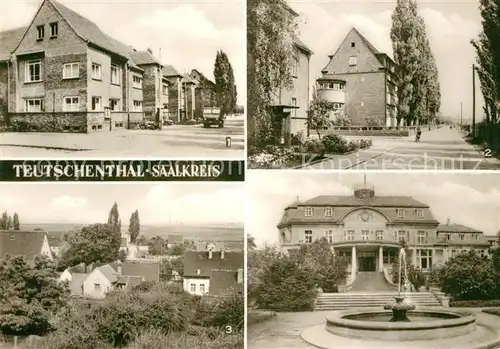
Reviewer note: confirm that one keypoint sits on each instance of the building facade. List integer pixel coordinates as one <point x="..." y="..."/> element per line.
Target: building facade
<point x="369" y="229"/>
<point x="62" y="73"/>
<point x="359" y="79"/>
<point x="206" y="102"/>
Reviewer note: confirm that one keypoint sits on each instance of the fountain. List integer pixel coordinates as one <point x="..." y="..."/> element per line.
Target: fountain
<point x="402" y="324"/>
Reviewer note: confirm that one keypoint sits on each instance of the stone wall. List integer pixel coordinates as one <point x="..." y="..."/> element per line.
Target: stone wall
<point x="49" y="122"/>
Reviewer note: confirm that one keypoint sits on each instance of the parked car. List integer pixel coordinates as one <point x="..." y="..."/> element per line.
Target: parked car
<point x="148" y="125"/>
<point x="213" y="119"/>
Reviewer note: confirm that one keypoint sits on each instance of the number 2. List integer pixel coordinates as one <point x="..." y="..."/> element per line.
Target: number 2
<point x="487" y="153"/>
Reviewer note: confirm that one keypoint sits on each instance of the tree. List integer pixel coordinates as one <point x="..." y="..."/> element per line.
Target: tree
<point x="319" y="114"/>
<point x="134" y="227"/>
<point x="176" y="250"/>
<point x="5" y="221"/>
<point x="92" y="243"/>
<point x="16" y="221"/>
<point x="251" y="243"/>
<point x="157" y="246"/>
<point x="225" y="88"/>
<point x="141" y="240"/>
<point x="271" y="31"/>
<point x="29" y="296"/>
<point x="114" y="219"/>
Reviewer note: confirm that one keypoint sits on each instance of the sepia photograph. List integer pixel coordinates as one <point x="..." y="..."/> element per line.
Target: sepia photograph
<point x="385" y="85"/>
<point x="117" y="78"/>
<point x="134" y="266"/>
<point x="364" y="260"/>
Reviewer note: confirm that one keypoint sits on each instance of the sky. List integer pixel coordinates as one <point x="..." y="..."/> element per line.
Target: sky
<point x="469" y="199"/>
<point x="189" y="33"/>
<point x="451" y="24"/>
<point x="158" y="204"/>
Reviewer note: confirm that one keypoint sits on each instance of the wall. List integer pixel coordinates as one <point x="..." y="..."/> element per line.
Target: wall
<point x="197" y="281"/>
<point x="96" y="277"/>
<point x="173" y="98"/>
<point x="98" y="88"/>
<point x="135" y="94"/>
<point x="4" y="97"/>
<point x="151" y="89"/>
<point x="65" y="276"/>
<point x="49" y="122"/>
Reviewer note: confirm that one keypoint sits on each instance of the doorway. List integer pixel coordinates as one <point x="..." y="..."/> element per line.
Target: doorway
<point x="367" y="264"/>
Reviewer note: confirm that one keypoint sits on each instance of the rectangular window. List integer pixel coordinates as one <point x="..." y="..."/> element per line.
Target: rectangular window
<point x="54" y="30"/>
<point x="137" y="81"/>
<point x="309" y="211"/>
<point x="328" y="211"/>
<point x="96" y="104"/>
<point x="97" y="287"/>
<point x="294" y="106"/>
<point x="425" y="259"/>
<point x="389" y="256"/>
<point x="33" y="105"/>
<point x="138" y="106"/>
<point x="193" y="288"/>
<point x="41" y="32"/>
<point x="202" y="288"/>
<point x="476" y="237"/>
<point x="113" y="104"/>
<point x="295" y="66"/>
<point x="71" y="70"/>
<point x="401" y="235"/>
<point x="365" y="234"/>
<point x="462" y="237"/>
<point x="71" y="104"/>
<point x="115" y="77"/>
<point x="329" y="236"/>
<point x="448" y="236"/>
<point x="308" y="236"/>
<point x="349" y="235"/>
<point x="353" y="60"/>
<point x="380" y="235"/>
<point x="33" y="72"/>
<point x="400" y="213"/>
<point x="421" y="237"/>
<point x="165" y="90"/>
<point x="96" y="71"/>
<point x="420" y="212"/>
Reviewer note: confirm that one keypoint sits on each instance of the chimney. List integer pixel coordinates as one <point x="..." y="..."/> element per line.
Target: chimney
<point x="210" y="254"/>
<point x="222" y="254"/>
<point x="240" y="276"/>
<point x="448" y="222"/>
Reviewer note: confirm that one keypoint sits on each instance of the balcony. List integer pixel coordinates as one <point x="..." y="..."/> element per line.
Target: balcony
<point x="332" y="95"/>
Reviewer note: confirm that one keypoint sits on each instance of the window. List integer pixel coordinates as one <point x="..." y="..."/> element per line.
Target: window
<point x="115" y="77"/>
<point x="193" y="288"/>
<point x="295" y="66"/>
<point x="165" y="90"/>
<point x="97" y="287"/>
<point x="400" y="213"/>
<point x="33" y="71"/>
<point x="329" y="236"/>
<point x="476" y="237"/>
<point x="137" y="81"/>
<point x="71" y="70"/>
<point x="328" y="211"/>
<point x="96" y="71"/>
<point x="349" y="235"/>
<point x="365" y="234"/>
<point x="425" y="258"/>
<point x="71" y="104"/>
<point x="420" y="212"/>
<point x="421" y="237"/>
<point x="137" y="106"/>
<point x="308" y="236"/>
<point x="353" y="44"/>
<point x="453" y="253"/>
<point x="309" y="211"/>
<point x="401" y="235"/>
<point x="380" y="235"/>
<point x="389" y="256"/>
<point x="96" y="104"/>
<point x="41" y="32"/>
<point x="54" y="30"/>
<point x="33" y="105"/>
<point x="202" y="288"/>
<point x="353" y="60"/>
<point x="198" y="271"/>
<point x="448" y="236"/>
<point x="113" y="104"/>
<point x="294" y="106"/>
<point x="462" y="237"/>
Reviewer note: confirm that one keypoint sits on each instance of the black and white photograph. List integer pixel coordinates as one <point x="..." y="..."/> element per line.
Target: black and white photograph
<point x="134" y="266"/>
<point x="383" y="85"/>
<point x="373" y="260"/>
<point x="122" y="78"/>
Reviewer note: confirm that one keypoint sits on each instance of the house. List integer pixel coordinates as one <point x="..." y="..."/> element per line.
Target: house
<point x="223" y="281"/>
<point x="290" y="104"/>
<point x="174" y="92"/>
<point x="188" y="98"/>
<point x="63" y="74"/>
<point x="75" y="276"/>
<point x="359" y="80"/>
<point x="174" y="239"/>
<point x="208" y="102"/>
<point x="56" y="243"/>
<point x="28" y="244"/>
<point x="199" y="265"/>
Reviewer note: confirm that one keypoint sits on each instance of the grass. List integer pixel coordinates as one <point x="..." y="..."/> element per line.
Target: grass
<point x="257" y="316"/>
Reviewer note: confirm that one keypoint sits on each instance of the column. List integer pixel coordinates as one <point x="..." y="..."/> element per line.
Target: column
<point x="380" y="258"/>
<point x="414" y="256"/>
<point x="353" y="263"/>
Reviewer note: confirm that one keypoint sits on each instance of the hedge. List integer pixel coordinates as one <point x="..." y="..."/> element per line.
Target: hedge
<point x="475" y="303"/>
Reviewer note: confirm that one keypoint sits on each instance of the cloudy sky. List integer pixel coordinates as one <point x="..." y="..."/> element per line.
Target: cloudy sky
<point x="469" y="199"/>
<point x="166" y="203"/>
<point x="189" y="33"/>
<point x="451" y="24"/>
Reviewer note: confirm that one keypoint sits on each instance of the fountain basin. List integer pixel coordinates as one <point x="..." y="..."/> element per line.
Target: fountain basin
<point x="425" y="323"/>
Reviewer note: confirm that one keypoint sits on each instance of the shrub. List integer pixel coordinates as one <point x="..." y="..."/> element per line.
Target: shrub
<point x="257" y="316"/>
<point x="475" y="303"/>
<point x="298" y="139"/>
<point x="19" y="125"/>
<point x="220" y="312"/>
<point x="335" y="144"/>
<point x="351" y="146"/>
<point x="365" y="143"/>
<point x="494" y="311"/>
<point x="416" y="277"/>
<point x="314" y="146"/>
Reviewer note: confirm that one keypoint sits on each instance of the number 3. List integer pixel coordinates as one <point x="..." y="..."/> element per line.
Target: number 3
<point x="487" y="153"/>
<point x="229" y="329"/>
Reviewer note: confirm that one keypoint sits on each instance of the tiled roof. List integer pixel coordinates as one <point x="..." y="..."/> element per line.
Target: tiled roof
<point x="133" y="281"/>
<point x="109" y="273"/>
<point x="55" y="240"/>
<point x="223" y="281"/>
<point x="169" y="70"/>
<point x="377" y="201"/>
<point x="301" y="45"/>
<point x="9" y="40"/>
<point x="197" y="75"/>
<point x="199" y="260"/>
<point x="365" y="40"/>
<point x="150" y="271"/>
<point x="235" y="245"/>
<point x="456" y="228"/>
<point x="79" y="268"/>
<point x="175" y="239"/>
<point x="143" y="57"/>
<point x="21" y="243"/>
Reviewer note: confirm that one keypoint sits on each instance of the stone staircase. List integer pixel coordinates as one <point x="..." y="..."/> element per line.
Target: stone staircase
<point x="337" y="301"/>
<point x="371" y="282"/>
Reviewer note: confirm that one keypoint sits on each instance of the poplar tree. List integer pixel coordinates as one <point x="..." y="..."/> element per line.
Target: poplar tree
<point x="16" y="221"/>
<point x="134" y="227"/>
<point x="114" y="219"/>
<point x="225" y="88"/>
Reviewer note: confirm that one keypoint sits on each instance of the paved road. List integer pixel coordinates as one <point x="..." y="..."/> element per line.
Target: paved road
<point x="177" y="141"/>
<point x="440" y="149"/>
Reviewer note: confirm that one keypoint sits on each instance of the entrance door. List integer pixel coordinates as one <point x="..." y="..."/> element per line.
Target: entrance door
<point x="366" y="263"/>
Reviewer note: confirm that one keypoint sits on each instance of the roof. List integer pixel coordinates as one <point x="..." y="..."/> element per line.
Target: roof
<point x="143" y="58"/>
<point x="235" y="245"/>
<point x="150" y="271"/>
<point x="78" y="269"/>
<point x="55" y="240"/>
<point x="9" y="39"/>
<point x="169" y="70"/>
<point x="377" y="201"/>
<point x="175" y="239"/>
<point x="456" y="228"/>
<point x="202" y="78"/>
<point x="186" y="79"/>
<point x="193" y="261"/>
<point x="109" y="273"/>
<point x="21" y="243"/>
<point x="133" y="281"/>
<point x="302" y="46"/>
<point x="222" y="281"/>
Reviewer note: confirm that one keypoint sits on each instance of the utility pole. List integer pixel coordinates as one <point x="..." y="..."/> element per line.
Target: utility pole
<point x="473" y="101"/>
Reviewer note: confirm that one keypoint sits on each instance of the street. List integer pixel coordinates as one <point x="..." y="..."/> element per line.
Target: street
<point x="174" y="141"/>
<point x="439" y="149"/>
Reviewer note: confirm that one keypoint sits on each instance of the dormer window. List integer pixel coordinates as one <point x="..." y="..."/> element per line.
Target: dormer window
<point x="198" y="272"/>
<point x="309" y="211"/>
<point x="476" y="237"/>
<point x="41" y="32"/>
<point x="400" y="212"/>
<point x="328" y="211"/>
<point x="54" y="30"/>
<point x="462" y="237"/>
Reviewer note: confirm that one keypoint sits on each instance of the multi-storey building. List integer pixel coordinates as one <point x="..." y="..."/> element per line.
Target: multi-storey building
<point x="62" y="73"/>
<point x="207" y="102"/>
<point x="360" y="81"/>
<point x="185" y="95"/>
<point x="368" y="230"/>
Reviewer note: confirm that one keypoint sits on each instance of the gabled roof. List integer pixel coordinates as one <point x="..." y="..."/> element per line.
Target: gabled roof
<point x="193" y="261"/>
<point x="169" y="71"/>
<point x="150" y="271"/>
<point x="186" y="79"/>
<point x="302" y="46"/>
<point x="456" y="228"/>
<point x="21" y="243"/>
<point x="202" y="78"/>
<point x="9" y="40"/>
<point x="222" y="281"/>
<point x="109" y="273"/>
<point x="143" y="58"/>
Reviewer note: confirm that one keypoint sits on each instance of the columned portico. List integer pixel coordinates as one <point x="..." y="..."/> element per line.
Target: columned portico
<point x="380" y="258"/>
<point x="354" y="261"/>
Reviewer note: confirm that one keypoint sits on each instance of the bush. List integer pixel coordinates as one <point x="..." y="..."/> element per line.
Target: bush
<point x="475" y="303"/>
<point x="365" y="143"/>
<point x="494" y="311"/>
<point x="257" y="316"/>
<point x="228" y="310"/>
<point x="298" y="139"/>
<point x="20" y="125"/>
<point x="335" y="144"/>
<point x="314" y="146"/>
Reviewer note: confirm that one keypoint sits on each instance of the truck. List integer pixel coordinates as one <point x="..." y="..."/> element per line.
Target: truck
<point x="211" y="116"/>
